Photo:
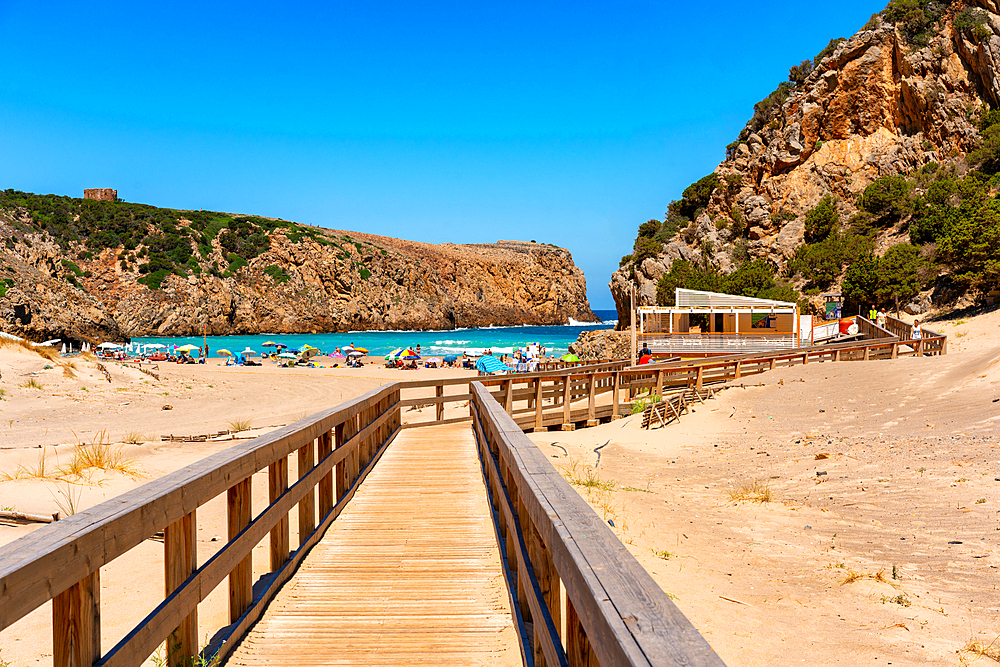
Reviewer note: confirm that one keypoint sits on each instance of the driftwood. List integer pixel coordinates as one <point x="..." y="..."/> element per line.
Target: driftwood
<point x="29" y="518"/>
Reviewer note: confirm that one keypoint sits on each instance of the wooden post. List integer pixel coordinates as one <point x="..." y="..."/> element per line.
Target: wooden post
<point x="738" y="373"/>
<point x="579" y="653"/>
<point x="326" y="483"/>
<point x="509" y="398"/>
<point x="439" y="392"/>
<point x="538" y="404"/>
<point x="76" y="623"/>
<point x="567" y="400"/>
<point x="867" y="352"/>
<point x="277" y="484"/>
<point x="614" y="395"/>
<point x="548" y="584"/>
<point x="180" y="560"/>
<point x="699" y="378"/>
<point x="241" y="578"/>
<point x="805" y="358"/>
<point x="659" y="384"/>
<point x="307" y="506"/>
<point x="592" y="400"/>
<point x="342" y="482"/>
<point x="770" y="366"/>
<point x="836" y="354"/>
<point x="895" y="351"/>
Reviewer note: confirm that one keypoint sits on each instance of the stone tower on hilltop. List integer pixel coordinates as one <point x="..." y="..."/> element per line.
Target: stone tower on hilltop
<point x="101" y="194"/>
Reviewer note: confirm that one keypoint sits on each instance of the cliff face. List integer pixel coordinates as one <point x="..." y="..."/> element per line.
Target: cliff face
<point x="877" y="106"/>
<point x="317" y="282"/>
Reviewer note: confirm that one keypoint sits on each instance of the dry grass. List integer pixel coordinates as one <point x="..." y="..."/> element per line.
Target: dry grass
<point x="853" y="576"/>
<point x="41" y="470"/>
<point x="43" y="351"/>
<point x="32" y="383"/>
<point x="99" y="455"/>
<point x="134" y="438"/>
<point x="587" y="477"/>
<point x="756" y="491"/>
<point x="68" y="370"/>
<point x="68" y="500"/>
<point x="240" y="424"/>
<point x="979" y="649"/>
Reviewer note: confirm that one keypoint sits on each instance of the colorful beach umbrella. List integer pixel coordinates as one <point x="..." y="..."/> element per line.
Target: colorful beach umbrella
<point x="395" y="353"/>
<point x="409" y="355"/>
<point x="224" y="353"/>
<point x="570" y="357"/>
<point x="270" y="343"/>
<point x="188" y="348"/>
<point x="288" y="355"/>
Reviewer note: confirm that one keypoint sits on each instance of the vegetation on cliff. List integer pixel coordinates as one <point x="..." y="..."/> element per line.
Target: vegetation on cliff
<point x="929" y="217"/>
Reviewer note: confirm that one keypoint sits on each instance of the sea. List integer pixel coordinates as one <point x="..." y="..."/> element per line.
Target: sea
<point x="501" y="340"/>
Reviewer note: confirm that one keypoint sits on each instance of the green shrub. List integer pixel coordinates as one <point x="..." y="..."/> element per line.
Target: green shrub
<point x="645" y="248"/>
<point x="899" y="274"/>
<point x="822" y="263"/>
<point x="974" y="22"/>
<point x="277" y="273"/>
<point x="155" y="279"/>
<point x="969" y="245"/>
<point x="821" y="220"/>
<point x="887" y="197"/>
<point x="694" y="197"/>
<point x="648" y="230"/>
<point x="72" y="266"/>
<point x="914" y="18"/>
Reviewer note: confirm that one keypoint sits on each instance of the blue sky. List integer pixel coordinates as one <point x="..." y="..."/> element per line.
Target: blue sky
<point x="566" y="123"/>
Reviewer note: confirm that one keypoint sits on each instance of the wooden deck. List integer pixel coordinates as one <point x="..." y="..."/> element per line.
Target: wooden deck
<point x="409" y="574"/>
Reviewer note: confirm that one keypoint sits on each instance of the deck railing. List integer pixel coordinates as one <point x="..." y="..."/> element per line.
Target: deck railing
<point x="612" y="612"/>
<point x="62" y="562"/>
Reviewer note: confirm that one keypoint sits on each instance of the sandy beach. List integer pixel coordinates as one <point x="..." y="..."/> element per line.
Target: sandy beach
<point x="878" y="544"/>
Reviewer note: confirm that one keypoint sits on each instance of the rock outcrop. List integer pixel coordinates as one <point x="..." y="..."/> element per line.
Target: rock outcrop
<point x="877" y="106"/>
<point x="602" y="344"/>
<point x="325" y="281"/>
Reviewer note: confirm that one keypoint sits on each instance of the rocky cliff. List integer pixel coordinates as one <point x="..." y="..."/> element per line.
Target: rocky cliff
<point x="138" y="271"/>
<point x="900" y="94"/>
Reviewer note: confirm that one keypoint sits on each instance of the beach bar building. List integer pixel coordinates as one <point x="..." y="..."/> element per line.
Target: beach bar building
<point x="709" y="323"/>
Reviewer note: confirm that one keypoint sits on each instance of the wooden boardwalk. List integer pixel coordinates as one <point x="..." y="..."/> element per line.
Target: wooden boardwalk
<point x="409" y="574"/>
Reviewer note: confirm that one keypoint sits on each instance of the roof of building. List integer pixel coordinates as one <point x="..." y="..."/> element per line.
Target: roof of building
<point x="690" y="298"/>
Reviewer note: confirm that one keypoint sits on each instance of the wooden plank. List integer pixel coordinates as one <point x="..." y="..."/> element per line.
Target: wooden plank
<point x="538" y="403"/>
<point x="76" y="624"/>
<point x="180" y="560"/>
<point x="406" y="577"/>
<point x="241" y="578"/>
<point x="307" y="506"/>
<point x="439" y="391"/>
<point x="277" y="484"/>
<point x="326" y="498"/>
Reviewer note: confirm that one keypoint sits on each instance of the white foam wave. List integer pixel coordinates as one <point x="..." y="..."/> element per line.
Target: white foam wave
<point x="580" y="323"/>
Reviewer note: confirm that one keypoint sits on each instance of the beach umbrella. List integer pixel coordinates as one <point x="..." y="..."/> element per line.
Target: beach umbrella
<point x="309" y="352"/>
<point x="288" y="355"/>
<point x="224" y="353"/>
<point x="356" y="353"/>
<point x="108" y="346"/>
<point x="570" y="357"/>
<point x="269" y="343"/>
<point x="490" y="364"/>
<point x="248" y="351"/>
<point x="64" y="348"/>
<point x="450" y="358"/>
<point x="395" y="353"/>
<point x="409" y="355"/>
<point x="188" y="348"/>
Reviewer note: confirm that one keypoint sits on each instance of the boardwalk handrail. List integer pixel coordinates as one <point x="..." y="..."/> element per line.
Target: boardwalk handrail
<point x="613" y="609"/>
<point x="62" y="562"/>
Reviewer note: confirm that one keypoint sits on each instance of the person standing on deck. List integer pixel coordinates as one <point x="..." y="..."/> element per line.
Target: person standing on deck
<point x="881" y="318"/>
<point x="872" y="314"/>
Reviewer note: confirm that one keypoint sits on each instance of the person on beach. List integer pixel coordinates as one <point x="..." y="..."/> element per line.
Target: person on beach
<point x="917" y="333"/>
<point x="881" y="318"/>
<point x="872" y="314"/>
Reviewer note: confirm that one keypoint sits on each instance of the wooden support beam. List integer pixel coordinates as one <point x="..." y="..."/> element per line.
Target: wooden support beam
<point x="508" y="397"/>
<point x="307" y="506"/>
<point x="579" y="652"/>
<point x="659" y="383"/>
<point x="180" y="560"/>
<point x="341" y="477"/>
<point x="805" y="358"/>
<point x="614" y="395"/>
<point x="591" y="398"/>
<point x="277" y="483"/>
<point x="439" y="392"/>
<point x="738" y="373"/>
<point x="538" y="403"/>
<point x="867" y="352"/>
<point x="326" y="484"/>
<point x="241" y="578"/>
<point x="566" y="400"/>
<point x="699" y="378"/>
<point x="76" y="624"/>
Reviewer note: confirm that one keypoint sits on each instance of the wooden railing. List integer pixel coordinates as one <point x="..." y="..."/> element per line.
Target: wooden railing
<point x="63" y="561"/>
<point x="612" y="612"/>
<point x="872" y="330"/>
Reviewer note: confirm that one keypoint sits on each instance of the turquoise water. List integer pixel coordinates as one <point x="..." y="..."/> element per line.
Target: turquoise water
<point x="501" y="340"/>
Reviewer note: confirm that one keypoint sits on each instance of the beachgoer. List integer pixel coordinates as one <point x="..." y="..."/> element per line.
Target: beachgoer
<point x="881" y="318"/>
<point x="645" y="351"/>
<point x="418" y="348"/>
<point x="917" y="333"/>
<point x="872" y="314"/>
